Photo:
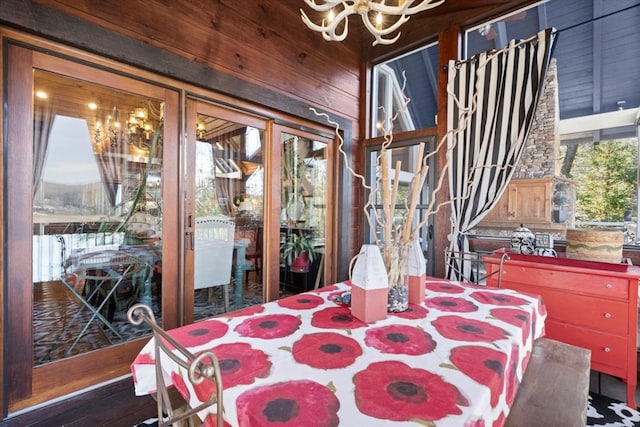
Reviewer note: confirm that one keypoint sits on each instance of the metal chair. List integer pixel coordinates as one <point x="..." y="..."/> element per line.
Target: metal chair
<point x="203" y="367"/>
<point x="214" y="254"/>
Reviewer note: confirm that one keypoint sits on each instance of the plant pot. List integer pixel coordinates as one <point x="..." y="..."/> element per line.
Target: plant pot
<point x="560" y="216"/>
<point x="300" y="264"/>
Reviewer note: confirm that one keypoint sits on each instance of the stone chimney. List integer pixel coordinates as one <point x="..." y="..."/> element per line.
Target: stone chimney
<point x="541" y="156"/>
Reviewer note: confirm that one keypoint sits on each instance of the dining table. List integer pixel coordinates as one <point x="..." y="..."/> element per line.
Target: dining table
<point x="456" y="359"/>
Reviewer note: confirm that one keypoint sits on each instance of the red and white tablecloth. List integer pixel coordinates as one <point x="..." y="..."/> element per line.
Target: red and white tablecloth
<point x="455" y="360"/>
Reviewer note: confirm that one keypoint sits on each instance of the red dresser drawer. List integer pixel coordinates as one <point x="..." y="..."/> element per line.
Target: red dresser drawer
<point x="606" y="349"/>
<point x="593" y="284"/>
<point x="581" y="310"/>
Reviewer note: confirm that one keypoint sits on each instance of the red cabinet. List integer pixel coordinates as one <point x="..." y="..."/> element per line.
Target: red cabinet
<point x="589" y="304"/>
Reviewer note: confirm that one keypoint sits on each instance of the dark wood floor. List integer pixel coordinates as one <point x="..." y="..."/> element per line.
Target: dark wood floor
<point x="114" y="405"/>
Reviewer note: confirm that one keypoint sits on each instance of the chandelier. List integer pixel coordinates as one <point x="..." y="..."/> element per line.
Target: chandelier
<point x="374" y="13"/>
<point x="137" y="130"/>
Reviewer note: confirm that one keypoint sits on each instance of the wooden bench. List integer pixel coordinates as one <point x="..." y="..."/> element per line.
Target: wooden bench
<point x="554" y="389"/>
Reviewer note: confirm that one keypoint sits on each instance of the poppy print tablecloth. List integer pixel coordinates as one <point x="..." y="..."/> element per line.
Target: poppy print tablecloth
<point x="455" y="360"/>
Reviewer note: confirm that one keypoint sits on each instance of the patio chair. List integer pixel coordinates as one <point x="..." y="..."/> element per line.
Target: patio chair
<point x="213" y="254"/>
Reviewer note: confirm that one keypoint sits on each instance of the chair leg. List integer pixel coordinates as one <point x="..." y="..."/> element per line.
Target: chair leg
<point x="225" y="290"/>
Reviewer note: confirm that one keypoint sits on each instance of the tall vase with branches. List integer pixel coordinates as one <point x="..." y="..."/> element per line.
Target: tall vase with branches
<point x="398" y="225"/>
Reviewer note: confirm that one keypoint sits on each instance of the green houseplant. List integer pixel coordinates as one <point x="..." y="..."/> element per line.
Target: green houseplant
<point x="298" y="251"/>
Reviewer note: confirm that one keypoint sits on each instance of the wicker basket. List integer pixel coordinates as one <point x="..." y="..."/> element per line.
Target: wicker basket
<point x="595" y="245"/>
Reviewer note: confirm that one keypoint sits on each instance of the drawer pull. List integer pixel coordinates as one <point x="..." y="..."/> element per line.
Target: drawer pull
<point x="608" y="286"/>
<point x="607" y="315"/>
<point x="607" y="349"/>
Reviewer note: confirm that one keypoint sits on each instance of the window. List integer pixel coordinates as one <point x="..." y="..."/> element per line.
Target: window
<point x="405" y="152"/>
<point x="417" y="72"/>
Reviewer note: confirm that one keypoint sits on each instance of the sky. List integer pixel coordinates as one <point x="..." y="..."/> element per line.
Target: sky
<point x="70" y="158"/>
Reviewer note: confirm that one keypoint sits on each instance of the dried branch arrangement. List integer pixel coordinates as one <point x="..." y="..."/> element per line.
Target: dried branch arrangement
<point x="394" y="233"/>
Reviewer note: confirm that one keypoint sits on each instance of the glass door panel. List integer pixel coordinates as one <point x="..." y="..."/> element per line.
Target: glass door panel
<point x="227" y="227"/>
<point x="97" y="214"/>
<point x="304" y="216"/>
<point x="86" y="211"/>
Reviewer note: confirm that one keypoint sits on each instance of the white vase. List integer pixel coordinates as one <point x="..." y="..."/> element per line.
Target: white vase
<point x="295" y="207"/>
<point x="395" y="257"/>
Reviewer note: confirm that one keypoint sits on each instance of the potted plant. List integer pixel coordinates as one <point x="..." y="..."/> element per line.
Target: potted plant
<point x="298" y="251"/>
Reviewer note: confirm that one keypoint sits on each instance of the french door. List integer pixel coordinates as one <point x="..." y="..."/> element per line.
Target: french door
<point x="101" y="209"/>
<point x="302" y="199"/>
<point x="226" y="221"/>
<point x="91" y="210"/>
<point x="269" y="182"/>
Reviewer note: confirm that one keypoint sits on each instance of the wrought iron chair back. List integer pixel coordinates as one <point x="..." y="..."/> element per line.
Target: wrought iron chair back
<point x="476" y="271"/>
<point x="203" y="367"/>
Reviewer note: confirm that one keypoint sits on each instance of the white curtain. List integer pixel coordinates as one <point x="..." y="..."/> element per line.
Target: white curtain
<point x="44" y="115"/>
<point x="491" y="105"/>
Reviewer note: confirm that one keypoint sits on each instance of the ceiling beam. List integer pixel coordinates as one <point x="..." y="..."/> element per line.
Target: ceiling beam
<point x="613" y="119"/>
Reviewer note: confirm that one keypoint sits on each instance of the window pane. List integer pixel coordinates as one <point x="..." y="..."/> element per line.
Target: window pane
<point x="97" y="214"/>
<point x="304" y="211"/>
<point x="229" y="187"/>
<point x="420" y="70"/>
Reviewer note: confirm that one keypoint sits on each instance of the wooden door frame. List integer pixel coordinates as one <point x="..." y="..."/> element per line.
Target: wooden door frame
<point x="28" y="385"/>
<point x="331" y="231"/>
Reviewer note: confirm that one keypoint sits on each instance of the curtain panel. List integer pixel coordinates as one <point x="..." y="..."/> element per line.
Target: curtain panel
<point x="491" y="105"/>
<point x="44" y="116"/>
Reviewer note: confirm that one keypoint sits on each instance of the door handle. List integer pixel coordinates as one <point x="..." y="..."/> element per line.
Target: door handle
<point x="190" y="243"/>
<point x="190" y="240"/>
<point x="430" y="232"/>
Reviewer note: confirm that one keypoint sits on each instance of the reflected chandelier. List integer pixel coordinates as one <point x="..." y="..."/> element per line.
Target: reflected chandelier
<point x="137" y="130"/>
<point x="372" y="12"/>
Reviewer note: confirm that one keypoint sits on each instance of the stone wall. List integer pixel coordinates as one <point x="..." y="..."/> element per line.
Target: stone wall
<point x="541" y="156"/>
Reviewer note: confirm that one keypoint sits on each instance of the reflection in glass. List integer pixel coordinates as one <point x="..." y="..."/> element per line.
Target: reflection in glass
<point x="414" y="75"/>
<point x="229" y="189"/>
<point x="304" y="212"/>
<point x="97" y="214"/>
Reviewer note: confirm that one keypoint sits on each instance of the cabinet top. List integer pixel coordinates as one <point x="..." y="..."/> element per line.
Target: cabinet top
<point x="561" y="262"/>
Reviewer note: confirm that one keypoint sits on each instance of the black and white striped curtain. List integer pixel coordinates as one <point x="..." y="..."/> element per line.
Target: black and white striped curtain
<point x="491" y="105"/>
